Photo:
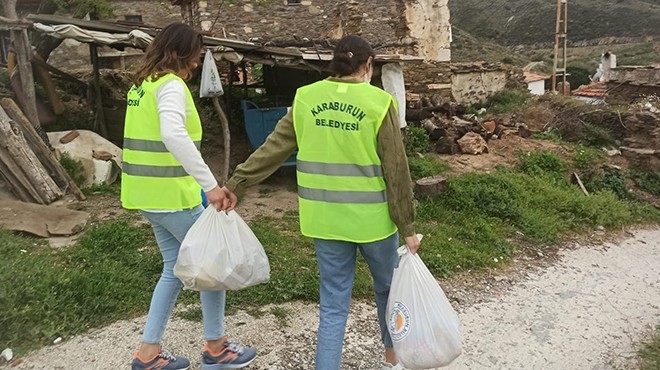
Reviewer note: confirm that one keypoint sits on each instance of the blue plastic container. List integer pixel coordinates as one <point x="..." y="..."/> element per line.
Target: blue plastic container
<point x="260" y="122"/>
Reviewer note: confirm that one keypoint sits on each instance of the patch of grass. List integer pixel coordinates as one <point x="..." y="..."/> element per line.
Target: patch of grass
<point x="191" y="314"/>
<point x="417" y="141"/>
<point x="542" y="163"/>
<point x="550" y="135"/>
<point x="104" y="277"/>
<point x="294" y="271"/>
<point x="265" y="191"/>
<point x="74" y="168"/>
<point x="282" y="316"/>
<point x="103" y="189"/>
<point x="110" y="272"/>
<point x="503" y="101"/>
<point x="425" y="167"/>
<point x="649" y="181"/>
<point x="650" y="352"/>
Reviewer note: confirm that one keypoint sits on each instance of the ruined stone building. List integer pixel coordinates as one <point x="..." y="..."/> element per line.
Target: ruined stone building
<point x="416" y="27"/>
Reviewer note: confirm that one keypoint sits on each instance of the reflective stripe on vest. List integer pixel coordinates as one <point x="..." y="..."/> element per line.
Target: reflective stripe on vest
<point x="338" y="169"/>
<point x="342" y="193"/>
<point x="151" y="177"/>
<point x="153" y="171"/>
<point x="150" y="145"/>
<point x="335" y="196"/>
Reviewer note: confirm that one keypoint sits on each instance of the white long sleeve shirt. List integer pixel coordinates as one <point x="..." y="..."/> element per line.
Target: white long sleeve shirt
<point x="172" y="111"/>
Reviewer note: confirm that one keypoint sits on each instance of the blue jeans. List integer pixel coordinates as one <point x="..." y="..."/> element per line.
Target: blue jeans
<point x="337" y="267"/>
<point x="170" y="229"/>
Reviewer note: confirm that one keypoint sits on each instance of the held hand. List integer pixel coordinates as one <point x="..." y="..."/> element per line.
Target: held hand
<point x="231" y="197"/>
<point x="217" y="198"/>
<point x="413" y="243"/>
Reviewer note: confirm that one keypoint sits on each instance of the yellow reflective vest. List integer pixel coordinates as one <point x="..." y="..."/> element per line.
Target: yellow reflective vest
<point x="151" y="177"/>
<point x="341" y="187"/>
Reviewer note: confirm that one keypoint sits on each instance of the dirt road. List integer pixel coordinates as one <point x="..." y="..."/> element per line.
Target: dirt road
<point x="585" y="312"/>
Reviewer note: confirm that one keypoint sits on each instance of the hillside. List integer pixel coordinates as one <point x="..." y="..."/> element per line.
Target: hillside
<point x="468" y="48"/>
<point x="515" y="22"/>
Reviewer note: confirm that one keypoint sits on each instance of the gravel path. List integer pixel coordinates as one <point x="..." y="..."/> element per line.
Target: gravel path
<point x="585" y="312"/>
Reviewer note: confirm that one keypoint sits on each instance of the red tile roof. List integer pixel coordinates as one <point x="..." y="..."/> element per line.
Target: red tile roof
<point x="594" y="89"/>
<point x="532" y="76"/>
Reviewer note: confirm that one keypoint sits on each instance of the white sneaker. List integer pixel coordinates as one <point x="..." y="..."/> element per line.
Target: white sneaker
<point x="388" y="366"/>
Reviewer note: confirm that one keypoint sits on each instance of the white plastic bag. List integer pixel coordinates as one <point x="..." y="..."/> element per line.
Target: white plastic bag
<point x="220" y="252"/>
<point x="210" y="85"/>
<point x="423" y="325"/>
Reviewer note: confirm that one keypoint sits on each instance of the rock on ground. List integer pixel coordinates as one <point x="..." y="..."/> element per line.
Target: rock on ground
<point x="586" y="312"/>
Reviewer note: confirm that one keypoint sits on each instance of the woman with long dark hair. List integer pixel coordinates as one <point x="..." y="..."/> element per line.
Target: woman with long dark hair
<point x="163" y="173"/>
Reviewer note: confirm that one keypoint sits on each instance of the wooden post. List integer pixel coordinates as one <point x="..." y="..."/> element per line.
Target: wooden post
<point x="23" y="48"/>
<point x="99" y="119"/>
<point x="226" y="136"/>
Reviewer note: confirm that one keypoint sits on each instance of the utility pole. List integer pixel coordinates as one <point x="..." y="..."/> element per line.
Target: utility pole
<point x="560" y="45"/>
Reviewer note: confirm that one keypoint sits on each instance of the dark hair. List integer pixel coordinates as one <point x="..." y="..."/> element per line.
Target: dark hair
<point x="172" y="50"/>
<point x="350" y="54"/>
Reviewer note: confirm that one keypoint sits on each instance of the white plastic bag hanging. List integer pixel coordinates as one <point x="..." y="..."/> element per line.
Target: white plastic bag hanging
<point x="423" y="325"/>
<point x="210" y="85"/>
<point x="220" y="252"/>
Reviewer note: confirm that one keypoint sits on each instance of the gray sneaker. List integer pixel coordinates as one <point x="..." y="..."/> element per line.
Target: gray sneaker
<point x="233" y="356"/>
<point x="163" y="361"/>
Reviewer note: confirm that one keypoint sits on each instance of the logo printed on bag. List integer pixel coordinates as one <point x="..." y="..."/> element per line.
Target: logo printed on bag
<point x="399" y="321"/>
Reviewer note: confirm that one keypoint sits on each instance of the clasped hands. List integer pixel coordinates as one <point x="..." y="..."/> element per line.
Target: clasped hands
<point x="222" y="199"/>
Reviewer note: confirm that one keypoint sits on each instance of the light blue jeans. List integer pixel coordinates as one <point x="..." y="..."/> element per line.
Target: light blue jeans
<point x="170" y="229"/>
<point x="336" y="261"/>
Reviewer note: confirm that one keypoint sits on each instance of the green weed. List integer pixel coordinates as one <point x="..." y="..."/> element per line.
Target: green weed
<point x="650" y="352"/>
<point x="550" y="134"/>
<point x="103" y="189"/>
<point x="425" y="167"/>
<point x="542" y="163"/>
<point x="586" y="158"/>
<point x="418" y="141"/>
<point x="74" y="168"/>
<point x="649" y="181"/>
<point x="503" y="101"/>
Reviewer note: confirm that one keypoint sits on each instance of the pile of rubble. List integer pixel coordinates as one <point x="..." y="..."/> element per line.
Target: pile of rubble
<point x="453" y="131"/>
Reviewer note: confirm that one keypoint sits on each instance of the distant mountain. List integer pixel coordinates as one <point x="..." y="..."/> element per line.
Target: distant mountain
<point x="516" y="22"/>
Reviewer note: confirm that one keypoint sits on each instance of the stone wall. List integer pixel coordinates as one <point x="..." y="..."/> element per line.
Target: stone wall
<point x="625" y="93"/>
<point x="473" y="83"/>
<point x="419" y="27"/>
<point x="644" y="76"/>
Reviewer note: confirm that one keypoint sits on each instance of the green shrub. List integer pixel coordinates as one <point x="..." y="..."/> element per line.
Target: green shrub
<point x="586" y="158"/>
<point x="418" y="141"/>
<point x="503" y="101"/>
<point x="597" y="136"/>
<point x="649" y="181"/>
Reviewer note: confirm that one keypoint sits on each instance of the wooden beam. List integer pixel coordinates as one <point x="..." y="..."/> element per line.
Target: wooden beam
<point x="45" y="155"/>
<point x="99" y="119"/>
<point x="58" y="72"/>
<point x="42" y="187"/>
